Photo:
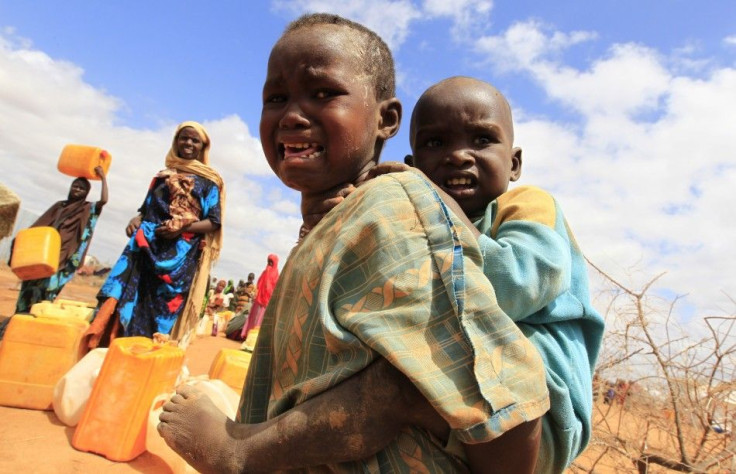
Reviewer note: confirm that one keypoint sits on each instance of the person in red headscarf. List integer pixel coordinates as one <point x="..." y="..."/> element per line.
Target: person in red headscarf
<point x="264" y="288"/>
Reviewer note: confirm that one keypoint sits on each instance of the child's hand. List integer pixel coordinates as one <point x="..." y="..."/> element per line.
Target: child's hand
<point x="395" y="167"/>
<point x="314" y="208"/>
<point x="99" y="171"/>
<point x="386" y="168"/>
<point x="133" y="225"/>
<point x="166" y="233"/>
<point x="159" y="338"/>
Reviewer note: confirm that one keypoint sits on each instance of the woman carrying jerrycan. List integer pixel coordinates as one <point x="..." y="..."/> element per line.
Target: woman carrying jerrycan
<point x="75" y="219"/>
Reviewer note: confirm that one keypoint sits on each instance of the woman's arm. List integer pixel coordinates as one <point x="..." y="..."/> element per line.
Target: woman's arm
<point x="205" y="226"/>
<point x="103" y="194"/>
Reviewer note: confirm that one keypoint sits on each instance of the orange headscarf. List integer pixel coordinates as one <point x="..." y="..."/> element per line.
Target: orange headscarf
<point x="200" y="167"/>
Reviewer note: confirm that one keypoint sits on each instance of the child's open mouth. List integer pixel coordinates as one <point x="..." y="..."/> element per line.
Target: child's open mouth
<point x="303" y="151"/>
<point x="459" y="184"/>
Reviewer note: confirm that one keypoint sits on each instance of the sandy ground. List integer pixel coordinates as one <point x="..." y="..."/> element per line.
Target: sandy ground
<point x="37" y="442"/>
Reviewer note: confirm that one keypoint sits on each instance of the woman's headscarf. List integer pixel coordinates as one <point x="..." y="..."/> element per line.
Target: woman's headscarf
<point x="200" y="167"/>
<point x="213" y="241"/>
<point x="267" y="281"/>
<point x="70" y="219"/>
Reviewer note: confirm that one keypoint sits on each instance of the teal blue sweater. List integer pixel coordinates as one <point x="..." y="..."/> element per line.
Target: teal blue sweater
<point x="540" y="277"/>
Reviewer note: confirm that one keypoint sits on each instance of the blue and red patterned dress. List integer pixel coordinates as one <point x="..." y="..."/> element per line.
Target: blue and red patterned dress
<point x="152" y="277"/>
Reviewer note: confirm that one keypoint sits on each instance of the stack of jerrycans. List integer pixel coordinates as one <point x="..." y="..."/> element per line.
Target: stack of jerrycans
<point x="135" y="371"/>
<point x="37" y="350"/>
<point x="64" y="309"/>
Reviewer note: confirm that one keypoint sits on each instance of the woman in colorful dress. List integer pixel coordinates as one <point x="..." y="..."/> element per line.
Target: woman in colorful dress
<point x="157" y="286"/>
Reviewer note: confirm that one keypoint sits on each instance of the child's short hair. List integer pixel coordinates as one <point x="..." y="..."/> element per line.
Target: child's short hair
<point x="375" y="55"/>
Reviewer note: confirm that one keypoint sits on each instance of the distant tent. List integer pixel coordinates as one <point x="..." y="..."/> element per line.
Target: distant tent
<point x="92" y="266"/>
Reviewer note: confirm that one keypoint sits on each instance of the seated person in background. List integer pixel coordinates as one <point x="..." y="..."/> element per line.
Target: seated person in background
<point x="229" y="292"/>
<point x="244" y="296"/>
<point x="237" y="292"/>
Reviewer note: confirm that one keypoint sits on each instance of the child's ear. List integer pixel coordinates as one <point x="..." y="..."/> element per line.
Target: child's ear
<point x="515" y="163"/>
<point x="390" y="118"/>
<point x="409" y="161"/>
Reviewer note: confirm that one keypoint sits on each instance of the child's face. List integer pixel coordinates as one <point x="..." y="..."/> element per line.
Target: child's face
<point x="462" y="140"/>
<point x="320" y="120"/>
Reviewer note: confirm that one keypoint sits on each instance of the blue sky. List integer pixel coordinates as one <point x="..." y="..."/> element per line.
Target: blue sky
<point x="624" y="110"/>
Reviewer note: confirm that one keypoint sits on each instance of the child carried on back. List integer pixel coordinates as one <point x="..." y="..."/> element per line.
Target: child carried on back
<point x="462" y="138"/>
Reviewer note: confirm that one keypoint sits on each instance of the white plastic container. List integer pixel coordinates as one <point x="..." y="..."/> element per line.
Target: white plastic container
<point x="72" y="391"/>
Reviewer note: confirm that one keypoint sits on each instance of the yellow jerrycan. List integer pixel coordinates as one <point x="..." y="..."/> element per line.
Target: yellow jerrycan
<point x="36" y="253"/>
<point x="80" y="161"/>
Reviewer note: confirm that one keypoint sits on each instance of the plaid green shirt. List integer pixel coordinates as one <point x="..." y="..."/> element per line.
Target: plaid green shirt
<point x="391" y="273"/>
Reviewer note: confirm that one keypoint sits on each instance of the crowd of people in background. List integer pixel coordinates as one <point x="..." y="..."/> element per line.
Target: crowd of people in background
<point x="237" y="310"/>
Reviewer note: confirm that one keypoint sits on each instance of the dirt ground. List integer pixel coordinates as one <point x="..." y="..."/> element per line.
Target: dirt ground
<point x="37" y="442"/>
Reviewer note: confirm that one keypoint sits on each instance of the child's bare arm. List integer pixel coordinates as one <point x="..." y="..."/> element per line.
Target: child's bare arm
<point x="314" y="207"/>
<point x="351" y="421"/>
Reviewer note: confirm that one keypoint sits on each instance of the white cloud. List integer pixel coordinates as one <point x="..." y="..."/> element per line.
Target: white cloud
<point x="630" y="80"/>
<point x="392" y="19"/>
<point x="469" y="17"/>
<point x="46" y="104"/>
<point x="389" y="18"/>
<point x="730" y="40"/>
<point x="525" y="44"/>
<point x="645" y="173"/>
